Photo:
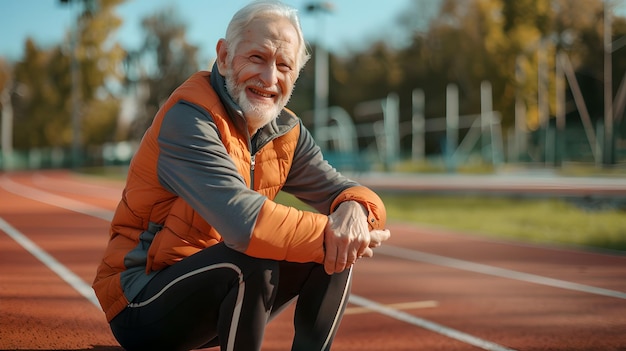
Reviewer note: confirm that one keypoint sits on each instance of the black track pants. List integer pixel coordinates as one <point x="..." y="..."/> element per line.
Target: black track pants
<point x="222" y="297"/>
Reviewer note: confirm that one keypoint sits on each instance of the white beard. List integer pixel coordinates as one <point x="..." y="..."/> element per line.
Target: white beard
<point x="256" y="115"/>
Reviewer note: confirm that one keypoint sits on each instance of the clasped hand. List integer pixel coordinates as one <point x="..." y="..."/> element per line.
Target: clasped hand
<point x="347" y="237"/>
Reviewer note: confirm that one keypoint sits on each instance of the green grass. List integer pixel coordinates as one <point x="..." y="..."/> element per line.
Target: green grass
<point x="546" y="221"/>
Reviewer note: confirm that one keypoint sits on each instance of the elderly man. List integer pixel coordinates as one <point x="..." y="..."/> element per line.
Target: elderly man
<point x="199" y="254"/>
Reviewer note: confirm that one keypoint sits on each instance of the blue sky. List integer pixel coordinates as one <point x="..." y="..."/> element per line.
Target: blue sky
<point x="352" y="24"/>
<point x="46" y="21"/>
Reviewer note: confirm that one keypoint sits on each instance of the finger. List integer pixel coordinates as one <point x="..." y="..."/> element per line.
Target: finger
<point x="329" y="260"/>
<point x="362" y="248"/>
<point x="378" y="236"/>
<point x="342" y="259"/>
<point x="346" y="255"/>
<point x="352" y="256"/>
<point x="368" y="253"/>
<point x="336" y="260"/>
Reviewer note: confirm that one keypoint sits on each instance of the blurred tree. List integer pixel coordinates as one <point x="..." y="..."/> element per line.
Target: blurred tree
<point x="466" y="42"/>
<point x="474" y="40"/>
<point x="6" y="112"/>
<point x="619" y="74"/>
<point x="32" y="109"/>
<point x="100" y="62"/>
<point x="164" y="61"/>
<point x="5" y="74"/>
<point x="368" y="75"/>
<point x="43" y="112"/>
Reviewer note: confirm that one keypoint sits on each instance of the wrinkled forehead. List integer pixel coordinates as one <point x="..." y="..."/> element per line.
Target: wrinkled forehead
<point x="273" y="33"/>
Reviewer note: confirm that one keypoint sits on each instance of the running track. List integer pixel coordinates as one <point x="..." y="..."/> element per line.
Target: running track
<point x="425" y="289"/>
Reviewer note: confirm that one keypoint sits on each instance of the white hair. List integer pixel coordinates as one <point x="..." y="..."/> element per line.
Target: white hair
<point x="265" y="9"/>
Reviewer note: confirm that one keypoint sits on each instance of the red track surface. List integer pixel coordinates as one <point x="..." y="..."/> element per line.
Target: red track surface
<point x="425" y="289"/>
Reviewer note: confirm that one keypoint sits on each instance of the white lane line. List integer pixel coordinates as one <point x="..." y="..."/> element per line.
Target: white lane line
<point x="396" y="306"/>
<point x="419" y="256"/>
<point x="63" y="272"/>
<point x="426" y="324"/>
<point x="54" y="200"/>
<point x="43" y="181"/>
<point x="85" y="290"/>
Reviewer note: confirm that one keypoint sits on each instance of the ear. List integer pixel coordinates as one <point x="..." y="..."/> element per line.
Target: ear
<point x="222" y="53"/>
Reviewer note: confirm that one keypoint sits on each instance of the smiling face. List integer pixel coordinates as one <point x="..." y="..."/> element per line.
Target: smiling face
<point x="261" y="72"/>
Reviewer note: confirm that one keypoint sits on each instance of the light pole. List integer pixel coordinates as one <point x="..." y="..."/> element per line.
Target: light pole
<point x="609" y="143"/>
<point x="75" y="73"/>
<point x="7" y="120"/>
<point x="320" y="104"/>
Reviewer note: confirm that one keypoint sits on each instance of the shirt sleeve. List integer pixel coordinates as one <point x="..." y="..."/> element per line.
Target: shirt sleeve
<point x="311" y="178"/>
<point x="314" y="181"/>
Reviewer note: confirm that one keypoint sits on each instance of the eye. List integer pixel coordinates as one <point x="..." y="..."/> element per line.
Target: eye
<point x="284" y="67"/>
<point x="256" y="59"/>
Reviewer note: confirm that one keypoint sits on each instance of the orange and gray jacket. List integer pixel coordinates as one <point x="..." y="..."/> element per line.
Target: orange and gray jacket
<point x="198" y="179"/>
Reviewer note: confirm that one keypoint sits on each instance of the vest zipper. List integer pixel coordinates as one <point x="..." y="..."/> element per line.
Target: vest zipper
<point x="252" y="163"/>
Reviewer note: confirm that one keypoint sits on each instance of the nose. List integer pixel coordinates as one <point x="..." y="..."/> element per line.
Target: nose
<point x="269" y="75"/>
